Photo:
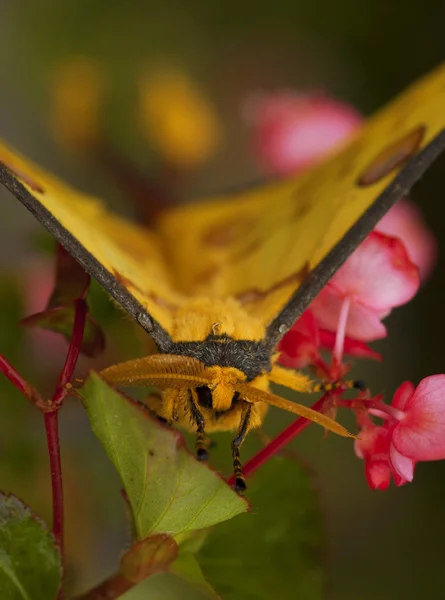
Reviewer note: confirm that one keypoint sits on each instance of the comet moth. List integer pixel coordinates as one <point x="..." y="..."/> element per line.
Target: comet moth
<point x="218" y="283"/>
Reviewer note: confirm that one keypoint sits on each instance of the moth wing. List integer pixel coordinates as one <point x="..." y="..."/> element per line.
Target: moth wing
<point x="263" y="245"/>
<point x="272" y="247"/>
<point x="124" y="257"/>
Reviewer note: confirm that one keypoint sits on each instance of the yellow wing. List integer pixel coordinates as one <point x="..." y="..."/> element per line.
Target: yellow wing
<point x="259" y="246"/>
<point x="124" y="257"/>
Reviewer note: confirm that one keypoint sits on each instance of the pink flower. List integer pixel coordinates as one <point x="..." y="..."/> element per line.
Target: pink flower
<point x="351" y="347"/>
<point x="377" y="277"/>
<point x="293" y="131"/>
<point x="301" y="346"/>
<point x="373" y="447"/>
<point x="414" y="430"/>
<point x="382" y="460"/>
<point x="420" y="432"/>
<point x="405" y="222"/>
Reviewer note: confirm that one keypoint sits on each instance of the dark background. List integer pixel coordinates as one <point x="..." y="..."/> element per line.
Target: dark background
<point x="387" y="545"/>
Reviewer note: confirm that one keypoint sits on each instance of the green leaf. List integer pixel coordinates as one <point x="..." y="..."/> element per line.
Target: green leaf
<point x="187" y="567"/>
<point x="30" y="567"/>
<point x="168" y="490"/>
<point x="166" y="586"/>
<point x="276" y="549"/>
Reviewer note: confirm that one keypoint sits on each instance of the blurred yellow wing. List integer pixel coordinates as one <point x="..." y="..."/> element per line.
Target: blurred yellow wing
<point x="272" y="247"/>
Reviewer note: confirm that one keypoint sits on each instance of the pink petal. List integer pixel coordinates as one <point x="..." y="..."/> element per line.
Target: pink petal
<point x="403" y="465"/>
<point x="293" y="131"/>
<point x="296" y="351"/>
<point x="402" y="395"/>
<point x="299" y="347"/>
<point x="364" y="324"/>
<point x="379" y="274"/>
<point x="351" y="346"/>
<point x="405" y="222"/>
<point x="378" y="474"/>
<point x="421" y="434"/>
<point x="398" y="480"/>
<point x="373" y="442"/>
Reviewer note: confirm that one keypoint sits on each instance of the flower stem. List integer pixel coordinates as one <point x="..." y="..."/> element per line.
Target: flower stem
<point x="281" y="440"/>
<point x="17" y="381"/>
<point x="52" y="418"/>
<point x="80" y="314"/>
<point x="52" y="438"/>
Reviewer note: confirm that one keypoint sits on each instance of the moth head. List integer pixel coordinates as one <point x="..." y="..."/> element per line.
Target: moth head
<point x="222" y="386"/>
<point x="172" y="372"/>
<point x="181" y="373"/>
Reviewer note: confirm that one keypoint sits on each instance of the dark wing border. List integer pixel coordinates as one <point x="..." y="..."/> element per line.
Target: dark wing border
<point x="87" y="260"/>
<point x="319" y="277"/>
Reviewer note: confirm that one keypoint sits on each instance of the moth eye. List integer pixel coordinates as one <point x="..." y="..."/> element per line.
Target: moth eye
<point x="24" y="177"/>
<point x="204" y="396"/>
<point x="392" y="157"/>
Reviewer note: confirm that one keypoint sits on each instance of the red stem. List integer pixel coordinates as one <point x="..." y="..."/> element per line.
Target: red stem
<point x="281" y="440"/>
<point x="17" y="380"/>
<point x="52" y="418"/>
<point x="52" y="438"/>
<point x="80" y="315"/>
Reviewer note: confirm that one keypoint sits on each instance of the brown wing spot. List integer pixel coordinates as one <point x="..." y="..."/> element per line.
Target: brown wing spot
<point x="255" y="295"/>
<point x="247" y="251"/>
<point x="22" y="176"/>
<point x="206" y="275"/>
<point x="302" y="208"/>
<point x="392" y="157"/>
<point x="161" y="302"/>
<point x="227" y="232"/>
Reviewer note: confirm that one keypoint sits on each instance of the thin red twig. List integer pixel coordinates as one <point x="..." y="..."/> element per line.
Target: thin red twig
<point x="17" y="380"/>
<point x="52" y="419"/>
<point x="80" y="315"/>
<point x="281" y="440"/>
<point x="52" y="438"/>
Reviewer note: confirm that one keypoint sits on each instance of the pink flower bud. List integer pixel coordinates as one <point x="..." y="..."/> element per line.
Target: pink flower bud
<point x="405" y="222"/>
<point x="291" y="131"/>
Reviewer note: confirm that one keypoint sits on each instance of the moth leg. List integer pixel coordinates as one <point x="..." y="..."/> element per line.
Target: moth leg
<point x="299" y="382"/>
<point x="349" y="384"/>
<point x="210" y="442"/>
<point x="243" y="428"/>
<point x="198" y="419"/>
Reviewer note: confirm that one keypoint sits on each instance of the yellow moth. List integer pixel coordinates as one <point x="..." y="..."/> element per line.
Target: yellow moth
<point x="218" y="283"/>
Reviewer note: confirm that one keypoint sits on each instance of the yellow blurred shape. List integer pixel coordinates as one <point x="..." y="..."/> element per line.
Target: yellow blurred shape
<point x="177" y="119"/>
<point x="77" y="89"/>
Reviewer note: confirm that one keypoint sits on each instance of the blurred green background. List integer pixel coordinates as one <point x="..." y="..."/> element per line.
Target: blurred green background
<point x="387" y="545"/>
